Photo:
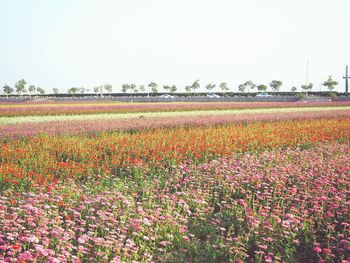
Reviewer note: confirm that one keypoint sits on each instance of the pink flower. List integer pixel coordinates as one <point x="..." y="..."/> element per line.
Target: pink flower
<point x="317" y="249"/>
<point x="326" y="251"/>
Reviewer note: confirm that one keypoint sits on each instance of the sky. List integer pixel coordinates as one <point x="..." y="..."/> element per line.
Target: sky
<point x="85" y="43"/>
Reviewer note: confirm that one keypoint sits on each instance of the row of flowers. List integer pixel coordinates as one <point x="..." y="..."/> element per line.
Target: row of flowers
<point x="50" y="158"/>
<point x="59" y="108"/>
<point x="30" y="128"/>
<point x="286" y="205"/>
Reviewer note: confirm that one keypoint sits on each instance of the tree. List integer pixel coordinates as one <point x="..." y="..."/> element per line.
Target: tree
<point x="153" y="86"/>
<point x="108" y="87"/>
<point x="195" y="85"/>
<point x="250" y="85"/>
<point x="31" y="89"/>
<point x="142" y="88"/>
<point x="188" y="89"/>
<point x="7" y="90"/>
<point x="166" y="87"/>
<point x="125" y="88"/>
<point x="293" y="89"/>
<point x="55" y="90"/>
<point x="210" y="86"/>
<point x="40" y="90"/>
<point x="20" y="87"/>
<point x="307" y="88"/>
<point x="262" y="87"/>
<point x="242" y="87"/>
<point x="96" y="89"/>
<point x="330" y="83"/>
<point x="173" y="88"/>
<point x="275" y="85"/>
<point x="223" y="86"/>
<point x="73" y="90"/>
<point x="82" y="90"/>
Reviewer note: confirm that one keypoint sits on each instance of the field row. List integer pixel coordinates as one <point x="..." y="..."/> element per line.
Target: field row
<point x="289" y="205"/>
<point x="57" y="108"/>
<point x="17" y="127"/>
<point x="51" y="158"/>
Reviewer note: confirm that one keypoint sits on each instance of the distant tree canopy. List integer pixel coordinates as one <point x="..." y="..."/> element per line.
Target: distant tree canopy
<point x="173" y="89"/>
<point x="20" y="87"/>
<point x="262" y="87"/>
<point x="108" y="87"/>
<point x="210" y="86"/>
<point x="330" y="83"/>
<point x="275" y="85"/>
<point x="188" y="89"/>
<point x="73" y="90"/>
<point x="40" y="90"/>
<point x="31" y="89"/>
<point x="307" y="88"/>
<point x="125" y="88"/>
<point x="248" y="85"/>
<point x="195" y="85"/>
<point x="7" y="90"/>
<point x="154" y="87"/>
<point x="223" y="86"/>
<point x="142" y="88"/>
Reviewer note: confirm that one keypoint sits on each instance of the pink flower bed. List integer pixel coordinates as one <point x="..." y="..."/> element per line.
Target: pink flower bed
<point x="77" y="127"/>
<point x="57" y="108"/>
<point x="289" y="205"/>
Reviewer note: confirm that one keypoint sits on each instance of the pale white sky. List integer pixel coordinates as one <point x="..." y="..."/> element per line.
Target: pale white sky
<point x="65" y="43"/>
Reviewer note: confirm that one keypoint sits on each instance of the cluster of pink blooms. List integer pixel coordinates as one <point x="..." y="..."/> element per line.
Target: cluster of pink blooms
<point x="287" y="205"/>
<point x="83" y="126"/>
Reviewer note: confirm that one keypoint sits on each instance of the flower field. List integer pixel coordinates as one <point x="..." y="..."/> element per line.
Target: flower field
<point x="263" y="187"/>
<point x="64" y="108"/>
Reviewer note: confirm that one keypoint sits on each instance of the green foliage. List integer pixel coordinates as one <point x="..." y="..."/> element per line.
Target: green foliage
<point x="246" y="86"/>
<point x="195" y="85"/>
<point x="40" y="90"/>
<point x="125" y="87"/>
<point x="188" y="89"/>
<point x="142" y="88"/>
<point x="275" y="85"/>
<point x="31" y="89"/>
<point x="223" y="86"/>
<point x="173" y="88"/>
<point x="73" y="90"/>
<point x="301" y="96"/>
<point x="108" y="87"/>
<point x="262" y="87"/>
<point x="307" y="88"/>
<point x="20" y="86"/>
<point x="154" y="87"/>
<point x="210" y="86"/>
<point x="7" y="90"/>
<point x="330" y="83"/>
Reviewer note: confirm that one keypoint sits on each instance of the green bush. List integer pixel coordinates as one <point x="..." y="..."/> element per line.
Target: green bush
<point x="301" y="96"/>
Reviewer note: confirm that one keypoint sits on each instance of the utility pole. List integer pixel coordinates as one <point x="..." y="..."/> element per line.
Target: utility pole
<point x="346" y="77"/>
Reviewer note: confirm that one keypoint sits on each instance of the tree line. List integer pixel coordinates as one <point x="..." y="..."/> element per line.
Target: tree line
<point x="246" y="87"/>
